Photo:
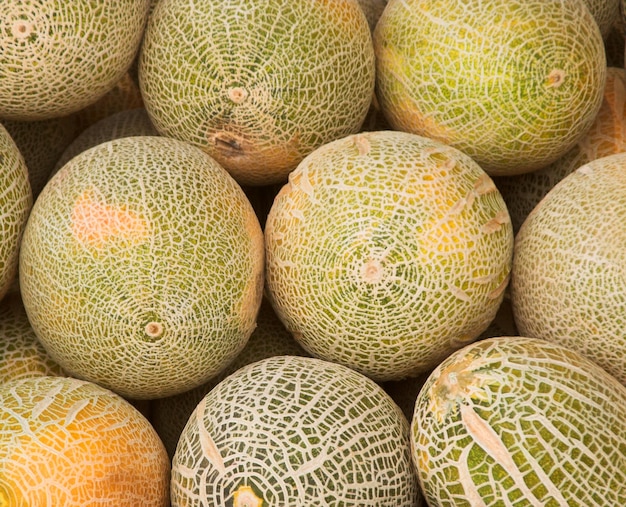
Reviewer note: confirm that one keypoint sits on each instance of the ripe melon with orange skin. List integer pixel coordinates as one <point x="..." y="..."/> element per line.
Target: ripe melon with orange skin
<point x="257" y="84"/>
<point x="141" y="266"/>
<point x="59" y="57"/>
<point x="68" y="442"/>
<point x="512" y="83"/>
<point x="386" y="251"/>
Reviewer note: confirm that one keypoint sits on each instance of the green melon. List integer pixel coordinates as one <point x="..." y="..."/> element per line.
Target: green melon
<point x="516" y="421"/>
<point x="295" y="431"/>
<point x="58" y="56"/>
<point x="607" y="136"/>
<point x="70" y="443"/>
<point x="386" y="251"/>
<point x="141" y="266"/>
<point x="568" y="284"/>
<point x="257" y="84"/>
<point x="512" y="83"/>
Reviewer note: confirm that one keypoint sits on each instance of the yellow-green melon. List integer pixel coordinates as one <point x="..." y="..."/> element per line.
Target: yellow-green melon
<point x="386" y="251"/>
<point x="16" y="200"/>
<point x="512" y="83"/>
<point x="605" y="13"/>
<point x="295" y="431"/>
<point x="607" y="136"/>
<point x="570" y="254"/>
<point x="270" y="338"/>
<point x="517" y="421"/>
<point x="141" y="266"/>
<point x="21" y="354"/>
<point x="67" y="442"/>
<point x="257" y="85"/>
<point x="58" y="56"/>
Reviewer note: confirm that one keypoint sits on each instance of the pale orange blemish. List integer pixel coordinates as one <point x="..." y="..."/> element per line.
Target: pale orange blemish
<point x="96" y="224"/>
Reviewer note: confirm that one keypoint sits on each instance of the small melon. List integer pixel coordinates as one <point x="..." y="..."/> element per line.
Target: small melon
<point x="512" y="83"/>
<point x="141" y="266"/>
<point x="386" y="251"/>
<point x="58" y="56"/>
<point x="568" y="283"/>
<point x="257" y="85"/>
<point x="295" y="431"/>
<point x="520" y="421"/>
<point x="71" y="443"/>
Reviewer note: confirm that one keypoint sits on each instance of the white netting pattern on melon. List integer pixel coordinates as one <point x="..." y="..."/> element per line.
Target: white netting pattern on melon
<point x="516" y="421"/>
<point x="142" y="266"/>
<point x="299" y="432"/>
<point x="257" y="84"/>
<point x="514" y="84"/>
<point x="568" y="271"/>
<point x="58" y="57"/>
<point x="386" y="251"/>
<point x="68" y="442"/>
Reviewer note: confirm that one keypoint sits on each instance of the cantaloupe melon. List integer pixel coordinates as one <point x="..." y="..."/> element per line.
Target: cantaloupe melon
<point x="522" y="192"/>
<point x="512" y="83"/>
<point x="21" y="354"/>
<point x="16" y="200"/>
<point x="568" y="284"/>
<point x="72" y="443"/>
<point x="516" y="421"/>
<point x="141" y="266"/>
<point x="605" y="13"/>
<point x="257" y="84"/>
<point x="58" y="57"/>
<point x="386" y="251"/>
<point x="295" y="431"/>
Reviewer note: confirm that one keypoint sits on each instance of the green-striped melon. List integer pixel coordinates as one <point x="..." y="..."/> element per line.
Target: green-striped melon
<point x="67" y="442"/>
<point x="257" y="84"/>
<point x="295" y="431"/>
<point x="512" y="83"/>
<point x="58" y="56"/>
<point x="386" y="251"/>
<point x="141" y="266"/>
<point x="568" y="283"/>
<point x="517" y="421"/>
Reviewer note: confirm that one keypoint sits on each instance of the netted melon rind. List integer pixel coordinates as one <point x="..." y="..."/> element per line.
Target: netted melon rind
<point x="570" y="254"/>
<point x="67" y="442"/>
<point x="264" y="86"/>
<point x="298" y="431"/>
<point x="497" y="80"/>
<point x="605" y="13"/>
<point x="141" y="266"/>
<point x="386" y="251"/>
<point x="58" y="57"/>
<point x="520" y="421"/>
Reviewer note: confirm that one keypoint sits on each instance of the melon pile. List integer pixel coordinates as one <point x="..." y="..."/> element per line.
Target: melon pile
<point x="335" y="253"/>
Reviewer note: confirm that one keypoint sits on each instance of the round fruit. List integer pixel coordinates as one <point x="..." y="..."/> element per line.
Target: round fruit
<point x="58" y="56"/>
<point x="512" y="83"/>
<point x="570" y="255"/>
<point x="67" y="442"/>
<point x="257" y="85"/>
<point x="520" y="421"/>
<point x="141" y="266"/>
<point x="16" y="200"/>
<point x="373" y="10"/>
<point x="605" y="12"/>
<point x="607" y="136"/>
<point x="386" y="251"/>
<point x="295" y="431"/>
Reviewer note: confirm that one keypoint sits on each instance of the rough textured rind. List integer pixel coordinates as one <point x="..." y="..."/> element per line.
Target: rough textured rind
<point x="257" y="84"/>
<point x="516" y="421"/>
<point x="512" y="83"/>
<point x="568" y="283"/>
<point x="605" y="13"/>
<point x="295" y="431"/>
<point x="141" y="266"/>
<point x="59" y="56"/>
<point x="386" y="251"/>
<point x="67" y="442"/>
<point x="607" y="136"/>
